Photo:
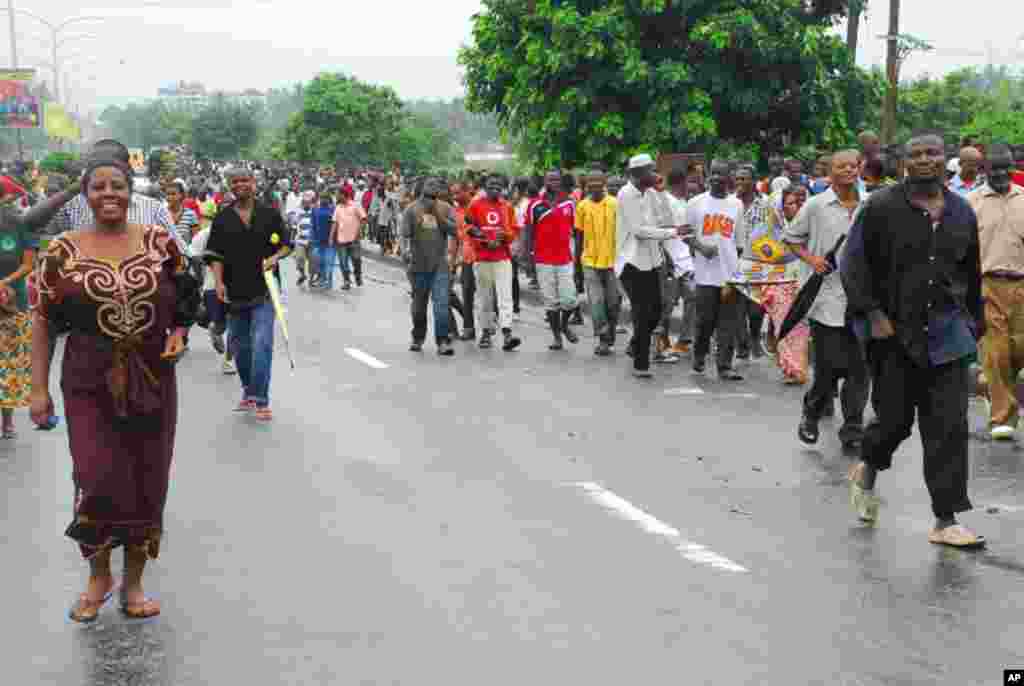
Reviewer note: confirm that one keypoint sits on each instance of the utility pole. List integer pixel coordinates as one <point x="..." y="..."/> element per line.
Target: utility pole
<point x="14" y="65"/>
<point x="892" y="71"/>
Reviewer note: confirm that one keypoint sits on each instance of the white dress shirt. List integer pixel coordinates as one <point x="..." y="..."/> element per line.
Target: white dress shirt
<point x="637" y="233"/>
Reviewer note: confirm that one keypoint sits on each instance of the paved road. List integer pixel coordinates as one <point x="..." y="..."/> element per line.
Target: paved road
<point x="527" y="518"/>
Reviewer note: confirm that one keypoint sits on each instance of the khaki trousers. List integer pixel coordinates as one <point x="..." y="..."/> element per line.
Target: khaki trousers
<point x="1003" y="345"/>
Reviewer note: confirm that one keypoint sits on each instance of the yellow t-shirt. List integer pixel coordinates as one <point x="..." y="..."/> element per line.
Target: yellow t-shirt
<point x="597" y="222"/>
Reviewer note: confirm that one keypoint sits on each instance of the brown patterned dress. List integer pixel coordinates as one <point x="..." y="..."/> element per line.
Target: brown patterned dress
<point x="120" y="397"/>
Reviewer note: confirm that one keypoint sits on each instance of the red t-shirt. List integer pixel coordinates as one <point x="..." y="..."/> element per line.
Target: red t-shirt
<point x="552" y="229"/>
<point x="491" y="216"/>
<point x="1017" y="177"/>
<point x="193" y="205"/>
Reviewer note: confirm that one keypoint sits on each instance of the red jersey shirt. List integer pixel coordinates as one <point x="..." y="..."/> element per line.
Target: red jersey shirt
<point x="552" y="229"/>
<point x="490" y="216"/>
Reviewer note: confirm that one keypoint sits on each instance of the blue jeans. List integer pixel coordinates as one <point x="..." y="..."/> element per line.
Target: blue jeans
<point x="326" y="256"/>
<point x="432" y="286"/>
<point x="251" y="328"/>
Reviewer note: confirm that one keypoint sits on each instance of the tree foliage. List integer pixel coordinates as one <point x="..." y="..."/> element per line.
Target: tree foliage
<point x="597" y="80"/>
<point x="224" y="128"/>
<point x="346" y="120"/>
<point x="467" y="129"/>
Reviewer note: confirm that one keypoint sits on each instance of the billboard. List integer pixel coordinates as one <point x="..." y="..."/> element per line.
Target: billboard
<point x="19" y="108"/>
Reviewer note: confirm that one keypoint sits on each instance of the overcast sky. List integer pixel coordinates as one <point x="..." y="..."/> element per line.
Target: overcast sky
<point x="411" y="46"/>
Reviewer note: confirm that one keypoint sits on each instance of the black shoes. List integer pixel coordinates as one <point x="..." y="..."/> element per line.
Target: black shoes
<point x="445" y="349"/>
<point x="511" y="342"/>
<point x="699" y="365"/>
<point x="566" y="331"/>
<point x="485" y="339"/>
<point x="416" y="346"/>
<point x="555" y="323"/>
<point x="807" y="432"/>
<point x="729" y="375"/>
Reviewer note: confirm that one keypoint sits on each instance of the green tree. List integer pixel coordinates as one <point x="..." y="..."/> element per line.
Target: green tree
<point x="224" y="128"/>
<point x="349" y="121"/>
<point x="586" y="80"/>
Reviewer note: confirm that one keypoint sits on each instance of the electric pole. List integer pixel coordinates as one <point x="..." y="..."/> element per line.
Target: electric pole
<point x="892" y="71"/>
<point x="14" y="65"/>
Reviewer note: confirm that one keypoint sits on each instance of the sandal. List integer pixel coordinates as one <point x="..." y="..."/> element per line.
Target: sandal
<point x="956" y="536"/>
<point x="246" y="406"/>
<point x="264" y="414"/>
<point x="147" y="609"/>
<point x="87" y="611"/>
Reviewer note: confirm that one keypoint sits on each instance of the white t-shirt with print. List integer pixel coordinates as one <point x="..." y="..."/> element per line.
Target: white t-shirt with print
<point x="714" y="221"/>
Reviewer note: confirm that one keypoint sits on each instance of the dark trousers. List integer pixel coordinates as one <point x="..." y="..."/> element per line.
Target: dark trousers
<point x="838" y="355"/>
<point x="721" y="319"/>
<point x="938" y="395"/>
<point x="468" y="279"/>
<point x="350" y="259"/>
<point x="430" y="287"/>
<point x="750" y="325"/>
<point x="515" y="285"/>
<point x="644" y="291"/>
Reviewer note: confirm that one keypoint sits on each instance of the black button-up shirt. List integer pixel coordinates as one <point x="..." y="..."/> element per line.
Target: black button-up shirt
<point x="242" y="249"/>
<point x="925" y="277"/>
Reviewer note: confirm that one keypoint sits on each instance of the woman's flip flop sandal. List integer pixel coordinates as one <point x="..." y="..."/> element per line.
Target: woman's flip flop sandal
<point x="956" y="536"/>
<point x="147" y="609"/>
<point x="87" y="611"/>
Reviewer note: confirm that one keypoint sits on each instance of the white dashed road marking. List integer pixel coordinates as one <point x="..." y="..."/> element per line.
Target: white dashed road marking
<point x="684" y="391"/>
<point x="694" y="552"/>
<point x="365" y="358"/>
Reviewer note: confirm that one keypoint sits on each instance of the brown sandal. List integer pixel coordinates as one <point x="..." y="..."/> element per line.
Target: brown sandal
<point x="145" y="610"/>
<point x="87" y="611"/>
<point x="956" y="536"/>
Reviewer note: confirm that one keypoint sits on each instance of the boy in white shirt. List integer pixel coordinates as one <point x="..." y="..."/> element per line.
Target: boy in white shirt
<point x="713" y="216"/>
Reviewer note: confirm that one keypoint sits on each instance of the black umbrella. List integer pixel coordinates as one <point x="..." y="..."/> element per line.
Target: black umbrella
<point x="808" y="294"/>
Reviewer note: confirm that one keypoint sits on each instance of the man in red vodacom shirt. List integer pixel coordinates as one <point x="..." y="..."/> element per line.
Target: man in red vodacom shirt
<point x="552" y="217"/>
<point x="492" y="227"/>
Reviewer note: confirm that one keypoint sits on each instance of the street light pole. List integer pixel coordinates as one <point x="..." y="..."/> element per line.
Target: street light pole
<point x="14" y="65"/>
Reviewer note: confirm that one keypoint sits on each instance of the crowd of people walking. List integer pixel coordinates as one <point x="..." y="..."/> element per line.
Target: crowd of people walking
<point x="708" y="258"/>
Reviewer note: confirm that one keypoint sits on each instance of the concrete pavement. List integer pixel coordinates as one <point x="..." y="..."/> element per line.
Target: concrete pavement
<point x="496" y="518"/>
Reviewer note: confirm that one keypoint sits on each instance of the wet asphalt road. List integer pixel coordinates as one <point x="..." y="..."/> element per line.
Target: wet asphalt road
<point x="526" y="518"/>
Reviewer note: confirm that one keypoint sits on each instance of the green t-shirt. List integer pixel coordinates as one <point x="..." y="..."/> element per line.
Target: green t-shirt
<point x="13" y="243"/>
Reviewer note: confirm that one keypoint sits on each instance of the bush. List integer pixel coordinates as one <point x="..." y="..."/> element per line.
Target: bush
<point x="58" y="162"/>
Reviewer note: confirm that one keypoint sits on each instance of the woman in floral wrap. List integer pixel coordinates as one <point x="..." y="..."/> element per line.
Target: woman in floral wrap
<point x="17" y="259"/>
<point x="778" y="298"/>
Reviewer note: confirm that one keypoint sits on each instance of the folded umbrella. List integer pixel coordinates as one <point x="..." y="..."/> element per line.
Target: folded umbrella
<point x="808" y="294"/>
<point x="275" y="298"/>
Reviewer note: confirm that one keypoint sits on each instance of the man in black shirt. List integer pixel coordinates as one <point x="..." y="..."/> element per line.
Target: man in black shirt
<point x="912" y="274"/>
<point x="246" y="240"/>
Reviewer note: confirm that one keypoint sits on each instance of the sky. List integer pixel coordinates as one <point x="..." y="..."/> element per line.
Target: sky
<point x="409" y="45"/>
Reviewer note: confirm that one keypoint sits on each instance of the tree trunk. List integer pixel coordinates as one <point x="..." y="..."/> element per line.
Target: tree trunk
<point x="853" y="28"/>
<point x="892" y="70"/>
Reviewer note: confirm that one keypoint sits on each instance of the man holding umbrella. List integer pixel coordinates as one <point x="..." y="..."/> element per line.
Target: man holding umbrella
<point x="822" y="223"/>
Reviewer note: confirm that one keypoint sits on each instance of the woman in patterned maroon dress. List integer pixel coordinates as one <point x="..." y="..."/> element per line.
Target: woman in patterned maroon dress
<point x="124" y="293"/>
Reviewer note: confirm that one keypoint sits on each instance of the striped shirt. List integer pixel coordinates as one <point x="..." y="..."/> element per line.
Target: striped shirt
<point x="145" y="211"/>
<point x="187" y="223"/>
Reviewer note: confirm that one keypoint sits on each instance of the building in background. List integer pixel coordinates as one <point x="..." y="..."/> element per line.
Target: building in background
<point x="193" y="94"/>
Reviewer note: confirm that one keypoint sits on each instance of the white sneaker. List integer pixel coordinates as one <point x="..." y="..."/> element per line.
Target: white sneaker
<point x="228" y="367"/>
<point x="1003" y="433"/>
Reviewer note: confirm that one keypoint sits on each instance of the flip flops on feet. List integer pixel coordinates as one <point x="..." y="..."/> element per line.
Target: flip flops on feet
<point x="956" y="536"/>
<point x="87" y="611"/>
<point x="147" y="609"/>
